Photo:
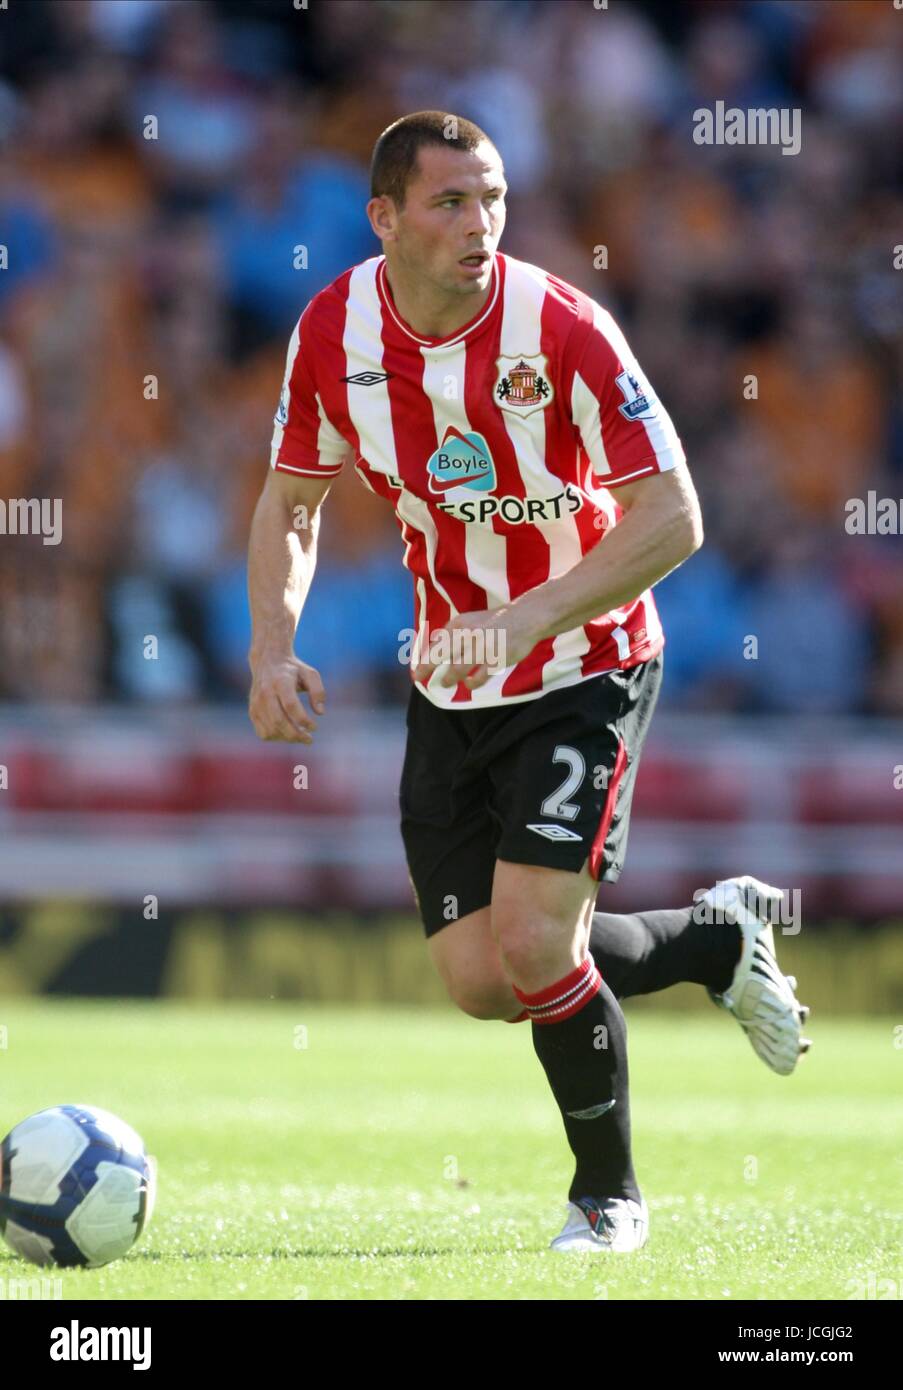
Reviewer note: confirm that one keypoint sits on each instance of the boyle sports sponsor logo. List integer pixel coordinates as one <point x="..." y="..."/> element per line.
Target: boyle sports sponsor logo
<point x="516" y="510"/>
<point x="463" y="464"/>
<point x="462" y="460"/>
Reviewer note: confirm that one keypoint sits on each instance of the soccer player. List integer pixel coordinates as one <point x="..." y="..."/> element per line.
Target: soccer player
<point x="540" y="489"/>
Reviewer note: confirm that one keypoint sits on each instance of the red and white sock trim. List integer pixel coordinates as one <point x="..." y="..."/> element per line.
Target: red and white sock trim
<point x="564" y="999"/>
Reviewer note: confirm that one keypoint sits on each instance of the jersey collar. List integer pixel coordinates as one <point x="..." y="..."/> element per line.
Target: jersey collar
<point x="467" y="330"/>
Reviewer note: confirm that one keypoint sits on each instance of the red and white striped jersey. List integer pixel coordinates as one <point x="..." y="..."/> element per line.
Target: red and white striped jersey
<point x="497" y="446"/>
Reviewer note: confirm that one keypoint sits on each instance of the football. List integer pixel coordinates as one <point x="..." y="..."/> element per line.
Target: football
<point x="76" y="1187"/>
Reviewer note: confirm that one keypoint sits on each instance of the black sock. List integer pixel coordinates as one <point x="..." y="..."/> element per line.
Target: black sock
<point x="643" y="952"/>
<point x="580" y="1037"/>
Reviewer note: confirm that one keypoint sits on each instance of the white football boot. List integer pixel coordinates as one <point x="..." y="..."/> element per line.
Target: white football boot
<point x="761" y="999"/>
<point x="615" y="1223"/>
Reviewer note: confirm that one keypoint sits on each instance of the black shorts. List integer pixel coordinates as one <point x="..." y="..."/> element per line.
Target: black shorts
<point x="546" y="781"/>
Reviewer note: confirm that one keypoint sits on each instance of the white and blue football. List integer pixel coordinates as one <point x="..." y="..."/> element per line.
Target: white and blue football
<point x="76" y="1187"/>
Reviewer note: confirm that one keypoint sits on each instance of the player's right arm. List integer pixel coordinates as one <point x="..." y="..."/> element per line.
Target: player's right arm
<point x="306" y="453"/>
<point x="282" y="556"/>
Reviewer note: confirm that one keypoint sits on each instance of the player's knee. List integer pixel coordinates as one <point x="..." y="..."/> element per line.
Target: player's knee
<point x="479" y="1001"/>
<point x="535" y="948"/>
<point x="534" y="967"/>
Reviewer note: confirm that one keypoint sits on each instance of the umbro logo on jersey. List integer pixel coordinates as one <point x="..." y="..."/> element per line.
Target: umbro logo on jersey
<point x="555" y="832"/>
<point x="639" y="402"/>
<point x="367" y="378"/>
<point x="522" y="384"/>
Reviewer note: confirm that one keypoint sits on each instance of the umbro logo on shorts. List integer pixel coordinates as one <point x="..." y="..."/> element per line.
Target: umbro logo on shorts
<point x="555" y="832"/>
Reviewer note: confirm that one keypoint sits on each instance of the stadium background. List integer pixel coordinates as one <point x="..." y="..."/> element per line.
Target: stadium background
<point x="148" y="842"/>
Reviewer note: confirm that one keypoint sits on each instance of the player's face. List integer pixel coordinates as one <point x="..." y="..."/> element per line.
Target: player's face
<point x="455" y="209"/>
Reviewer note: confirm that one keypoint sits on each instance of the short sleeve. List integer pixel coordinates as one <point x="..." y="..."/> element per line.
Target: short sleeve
<point x="304" y="440"/>
<point x="625" y="430"/>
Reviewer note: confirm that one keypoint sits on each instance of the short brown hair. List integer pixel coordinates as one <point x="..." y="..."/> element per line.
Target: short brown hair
<point x="395" y="152"/>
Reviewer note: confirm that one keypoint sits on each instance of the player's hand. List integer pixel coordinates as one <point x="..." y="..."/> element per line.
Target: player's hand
<point x="487" y="642"/>
<point x="274" y="707"/>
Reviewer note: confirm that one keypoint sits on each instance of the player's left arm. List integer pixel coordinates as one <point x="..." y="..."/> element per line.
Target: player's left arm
<point x="661" y="526"/>
<point x="635" y="452"/>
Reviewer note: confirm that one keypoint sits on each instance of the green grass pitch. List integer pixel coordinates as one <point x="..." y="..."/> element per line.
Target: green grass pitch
<point x="311" y="1152"/>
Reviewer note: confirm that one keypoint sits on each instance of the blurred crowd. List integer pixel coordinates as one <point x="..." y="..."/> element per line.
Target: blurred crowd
<point x="161" y="159"/>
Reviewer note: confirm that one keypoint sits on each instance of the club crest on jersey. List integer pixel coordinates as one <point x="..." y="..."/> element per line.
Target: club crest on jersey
<point x="522" y="384"/>
<point x="639" y="402"/>
<point x="281" y="417"/>
<point x="462" y="460"/>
